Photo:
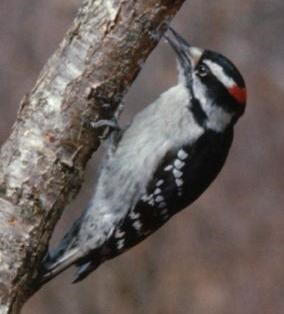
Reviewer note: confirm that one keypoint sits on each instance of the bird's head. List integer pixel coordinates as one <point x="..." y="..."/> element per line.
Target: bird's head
<point x="216" y="87"/>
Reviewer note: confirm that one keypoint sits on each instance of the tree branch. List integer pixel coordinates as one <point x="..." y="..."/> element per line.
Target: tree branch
<point x="43" y="160"/>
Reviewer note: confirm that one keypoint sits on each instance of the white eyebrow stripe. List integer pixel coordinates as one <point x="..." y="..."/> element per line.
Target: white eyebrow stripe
<point x="218" y="71"/>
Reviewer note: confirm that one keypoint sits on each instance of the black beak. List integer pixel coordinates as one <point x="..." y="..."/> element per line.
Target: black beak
<point x="187" y="55"/>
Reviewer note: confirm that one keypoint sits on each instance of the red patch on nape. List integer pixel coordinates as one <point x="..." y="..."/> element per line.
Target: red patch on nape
<point x="240" y="94"/>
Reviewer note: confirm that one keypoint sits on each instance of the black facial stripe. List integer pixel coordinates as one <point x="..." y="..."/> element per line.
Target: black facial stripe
<point x="198" y="113"/>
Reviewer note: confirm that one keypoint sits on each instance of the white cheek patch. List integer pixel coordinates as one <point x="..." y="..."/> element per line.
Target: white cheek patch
<point x="217" y="118"/>
<point x="218" y="71"/>
<point x="200" y="92"/>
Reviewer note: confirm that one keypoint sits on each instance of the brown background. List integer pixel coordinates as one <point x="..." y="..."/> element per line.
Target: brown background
<point x="225" y="254"/>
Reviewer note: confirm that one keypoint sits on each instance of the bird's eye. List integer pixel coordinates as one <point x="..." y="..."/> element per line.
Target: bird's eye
<point x="202" y="70"/>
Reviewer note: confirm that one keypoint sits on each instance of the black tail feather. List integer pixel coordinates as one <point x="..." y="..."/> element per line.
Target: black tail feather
<point x="63" y="256"/>
<point x="84" y="270"/>
<point x="51" y="268"/>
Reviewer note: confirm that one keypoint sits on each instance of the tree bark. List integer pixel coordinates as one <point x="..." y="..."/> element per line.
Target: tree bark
<point x="43" y="161"/>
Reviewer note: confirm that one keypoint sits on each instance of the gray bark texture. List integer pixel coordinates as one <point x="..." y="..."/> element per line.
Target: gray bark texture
<point x="42" y="162"/>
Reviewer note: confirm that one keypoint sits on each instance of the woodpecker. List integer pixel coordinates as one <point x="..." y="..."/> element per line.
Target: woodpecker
<point x="162" y="162"/>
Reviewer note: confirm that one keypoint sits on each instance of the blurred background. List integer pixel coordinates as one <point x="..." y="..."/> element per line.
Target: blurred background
<point x="226" y="253"/>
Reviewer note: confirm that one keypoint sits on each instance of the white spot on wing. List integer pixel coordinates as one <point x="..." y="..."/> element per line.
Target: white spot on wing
<point x="168" y="168"/>
<point x="182" y="154"/>
<point x="159" y="199"/>
<point x="137" y="225"/>
<point x="160" y="182"/>
<point x="119" y="233"/>
<point x="179" y="182"/>
<point x="179" y="164"/>
<point x="177" y="173"/>
<point x="147" y="198"/>
<point x="133" y="215"/>
<point x="157" y="191"/>
<point x="120" y="244"/>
